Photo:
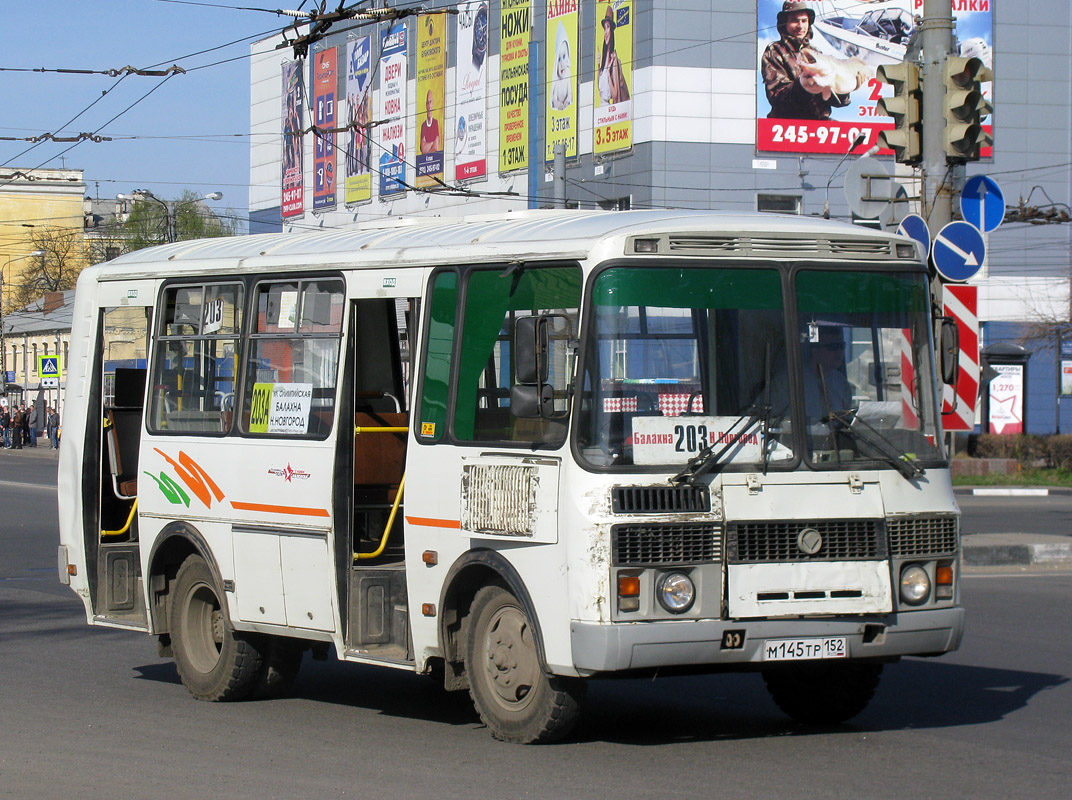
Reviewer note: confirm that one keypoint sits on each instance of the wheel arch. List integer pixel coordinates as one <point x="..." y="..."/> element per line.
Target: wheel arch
<point x="467" y="575"/>
<point x="176" y="542"/>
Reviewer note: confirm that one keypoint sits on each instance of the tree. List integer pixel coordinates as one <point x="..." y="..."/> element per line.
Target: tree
<point x="55" y="271"/>
<point x="147" y="224"/>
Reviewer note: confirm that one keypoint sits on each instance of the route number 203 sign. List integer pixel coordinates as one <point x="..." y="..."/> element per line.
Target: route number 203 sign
<point x="674" y="440"/>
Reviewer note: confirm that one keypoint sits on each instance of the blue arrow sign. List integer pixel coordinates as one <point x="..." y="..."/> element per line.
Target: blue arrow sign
<point x="958" y="251"/>
<point x="915" y="227"/>
<point x="982" y="203"/>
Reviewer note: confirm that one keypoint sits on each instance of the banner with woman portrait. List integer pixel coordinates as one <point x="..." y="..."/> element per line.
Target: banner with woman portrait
<point x="563" y="61"/>
<point x="612" y="95"/>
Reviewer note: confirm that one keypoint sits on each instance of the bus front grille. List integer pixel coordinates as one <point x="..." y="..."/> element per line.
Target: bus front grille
<point x="923" y="536"/>
<point x="660" y="499"/>
<point x="837" y="539"/>
<point x="664" y="544"/>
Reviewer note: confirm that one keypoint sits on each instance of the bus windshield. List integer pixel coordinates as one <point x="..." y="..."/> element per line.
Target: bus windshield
<point x="687" y="363"/>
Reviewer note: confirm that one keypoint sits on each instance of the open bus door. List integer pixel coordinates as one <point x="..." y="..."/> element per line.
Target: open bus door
<point x="110" y="483"/>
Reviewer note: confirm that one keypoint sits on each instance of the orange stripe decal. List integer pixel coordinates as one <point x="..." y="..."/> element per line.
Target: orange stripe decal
<point x="434" y="523"/>
<point x="295" y="510"/>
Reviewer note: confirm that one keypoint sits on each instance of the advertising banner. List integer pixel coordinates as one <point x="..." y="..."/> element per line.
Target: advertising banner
<point x="816" y="88"/>
<point x="611" y="98"/>
<point x="1066" y="377"/>
<point x="393" y="110"/>
<point x="516" y="21"/>
<point x="431" y="98"/>
<point x="292" y="197"/>
<point x="325" y="77"/>
<point x="563" y="61"/>
<point x="1007" y="399"/>
<point x="470" y="92"/>
<point x="359" y="113"/>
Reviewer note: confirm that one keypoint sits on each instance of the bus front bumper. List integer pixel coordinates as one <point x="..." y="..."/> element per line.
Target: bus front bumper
<point x="613" y="647"/>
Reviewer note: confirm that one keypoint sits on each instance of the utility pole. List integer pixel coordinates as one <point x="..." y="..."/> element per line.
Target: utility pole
<point x="938" y="177"/>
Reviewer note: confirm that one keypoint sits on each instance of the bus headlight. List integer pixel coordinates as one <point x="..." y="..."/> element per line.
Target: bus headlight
<point x="915" y="585"/>
<point x="676" y="592"/>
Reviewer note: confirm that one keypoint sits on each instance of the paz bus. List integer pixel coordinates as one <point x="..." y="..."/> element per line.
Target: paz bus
<point x="516" y="453"/>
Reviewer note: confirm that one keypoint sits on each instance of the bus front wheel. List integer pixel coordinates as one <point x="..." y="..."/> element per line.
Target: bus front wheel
<point x="213" y="661"/>
<point x="515" y="697"/>
<point x="823" y="693"/>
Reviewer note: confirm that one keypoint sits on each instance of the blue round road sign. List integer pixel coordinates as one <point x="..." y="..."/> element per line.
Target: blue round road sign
<point x="958" y="251"/>
<point x="915" y="227"/>
<point x="982" y="203"/>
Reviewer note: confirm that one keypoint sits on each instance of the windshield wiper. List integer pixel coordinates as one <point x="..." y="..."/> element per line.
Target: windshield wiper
<point x="707" y="459"/>
<point x="887" y="451"/>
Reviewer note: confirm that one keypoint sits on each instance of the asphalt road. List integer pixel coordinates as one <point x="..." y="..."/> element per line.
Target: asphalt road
<point x="94" y="713"/>
<point x="1049" y="515"/>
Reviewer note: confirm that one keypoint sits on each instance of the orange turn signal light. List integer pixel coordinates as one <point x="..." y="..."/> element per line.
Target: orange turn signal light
<point x="943" y="576"/>
<point x="628" y="586"/>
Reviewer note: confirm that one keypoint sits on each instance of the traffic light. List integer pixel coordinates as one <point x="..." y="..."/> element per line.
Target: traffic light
<point x="964" y="108"/>
<point x="906" y="138"/>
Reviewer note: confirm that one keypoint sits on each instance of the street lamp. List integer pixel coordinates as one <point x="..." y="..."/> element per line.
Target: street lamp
<point x="171" y="207"/>
<point x="3" y="343"/>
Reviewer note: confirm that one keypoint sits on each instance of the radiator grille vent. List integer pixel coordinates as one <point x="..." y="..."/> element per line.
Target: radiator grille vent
<point x="648" y="545"/>
<point x="766" y="541"/>
<point x="786" y="246"/>
<point x="923" y="536"/>
<point x="660" y="499"/>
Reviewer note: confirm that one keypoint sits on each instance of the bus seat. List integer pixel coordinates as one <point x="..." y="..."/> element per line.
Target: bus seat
<point x="121" y="432"/>
<point x="379" y="458"/>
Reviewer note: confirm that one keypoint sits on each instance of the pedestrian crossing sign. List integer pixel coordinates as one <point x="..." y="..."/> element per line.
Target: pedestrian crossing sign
<point x="48" y="366"/>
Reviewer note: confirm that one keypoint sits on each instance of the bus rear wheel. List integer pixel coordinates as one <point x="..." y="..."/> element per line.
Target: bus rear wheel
<point x="515" y="697"/>
<point x="213" y="661"/>
<point x="823" y="693"/>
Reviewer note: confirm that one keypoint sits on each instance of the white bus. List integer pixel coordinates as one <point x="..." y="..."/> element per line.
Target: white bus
<point x="516" y="453"/>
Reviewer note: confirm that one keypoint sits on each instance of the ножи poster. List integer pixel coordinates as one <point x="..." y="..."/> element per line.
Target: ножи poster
<point x="516" y="21"/>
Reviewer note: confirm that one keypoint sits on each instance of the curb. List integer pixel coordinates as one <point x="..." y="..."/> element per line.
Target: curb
<point x="1001" y="555"/>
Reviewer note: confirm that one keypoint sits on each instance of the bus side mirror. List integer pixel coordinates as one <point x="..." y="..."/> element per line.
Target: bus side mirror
<point x="532" y="401"/>
<point x="949" y="351"/>
<point x="530" y="350"/>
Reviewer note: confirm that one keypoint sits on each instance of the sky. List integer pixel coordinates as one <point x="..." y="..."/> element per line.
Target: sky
<point x="192" y="132"/>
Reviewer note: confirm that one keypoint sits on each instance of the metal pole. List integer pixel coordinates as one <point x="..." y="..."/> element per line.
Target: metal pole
<point x="560" y="176"/>
<point x="938" y="178"/>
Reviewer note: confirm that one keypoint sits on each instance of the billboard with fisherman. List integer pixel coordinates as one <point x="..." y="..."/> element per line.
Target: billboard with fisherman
<point x="816" y="88"/>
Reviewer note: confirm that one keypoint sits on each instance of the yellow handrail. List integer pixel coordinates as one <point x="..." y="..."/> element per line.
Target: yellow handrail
<point x="387" y="529"/>
<point x="125" y="528"/>
<point x="367" y="429"/>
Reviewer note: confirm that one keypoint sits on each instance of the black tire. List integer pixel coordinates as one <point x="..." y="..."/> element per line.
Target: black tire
<point x="823" y="693"/>
<point x="213" y="661"/>
<point x="280" y="665"/>
<point x="515" y="697"/>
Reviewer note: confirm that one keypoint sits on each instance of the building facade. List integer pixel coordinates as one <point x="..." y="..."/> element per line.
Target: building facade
<point x="663" y="103"/>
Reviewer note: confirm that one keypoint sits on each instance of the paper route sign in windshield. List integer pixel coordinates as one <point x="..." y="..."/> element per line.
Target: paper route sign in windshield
<point x="674" y="440"/>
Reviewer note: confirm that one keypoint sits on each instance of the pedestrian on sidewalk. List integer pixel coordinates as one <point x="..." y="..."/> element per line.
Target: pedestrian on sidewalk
<point x="53" y="426"/>
<point x="17" y="421"/>
<point x="31" y="425"/>
<point x="5" y="426"/>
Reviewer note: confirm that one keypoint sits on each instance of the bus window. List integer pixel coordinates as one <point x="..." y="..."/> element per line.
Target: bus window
<point x="435" y="388"/>
<point x="293" y="358"/>
<point x="193" y="380"/>
<point x="494" y="300"/>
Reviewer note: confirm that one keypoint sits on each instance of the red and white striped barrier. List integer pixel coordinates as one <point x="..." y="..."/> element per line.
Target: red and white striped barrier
<point x="961" y="302"/>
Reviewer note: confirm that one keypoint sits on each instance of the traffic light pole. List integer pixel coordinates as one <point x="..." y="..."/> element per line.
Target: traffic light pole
<point x="938" y="177"/>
